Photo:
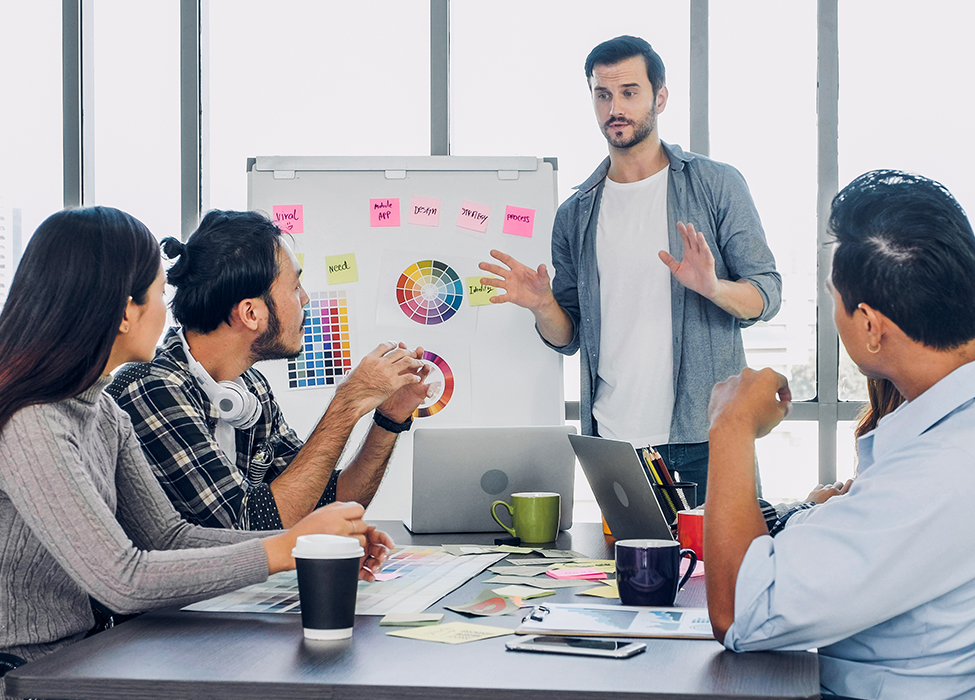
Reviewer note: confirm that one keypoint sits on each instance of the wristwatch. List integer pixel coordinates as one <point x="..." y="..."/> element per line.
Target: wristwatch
<point x="391" y="426"/>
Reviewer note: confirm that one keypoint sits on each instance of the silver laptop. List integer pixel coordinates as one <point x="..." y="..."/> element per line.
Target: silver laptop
<point x="622" y="488"/>
<point x="459" y="472"/>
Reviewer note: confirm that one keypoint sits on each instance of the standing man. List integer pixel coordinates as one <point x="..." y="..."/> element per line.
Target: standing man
<point x="207" y="420"/>
<point x="655" y="334"/>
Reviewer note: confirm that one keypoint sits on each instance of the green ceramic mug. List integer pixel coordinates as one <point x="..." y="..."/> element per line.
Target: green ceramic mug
<point x="534" y="515"/>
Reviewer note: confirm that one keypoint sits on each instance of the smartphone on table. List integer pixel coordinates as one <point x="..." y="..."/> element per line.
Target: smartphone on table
<point x="581" y="646"/>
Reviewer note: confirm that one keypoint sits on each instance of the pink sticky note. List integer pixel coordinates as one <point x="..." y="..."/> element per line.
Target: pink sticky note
<point x="389" y="576"/>
<point x="518" y="221"/>
<point x="289" y="217"/>
<point x="473" y="216"/>
<point x="384" y="212"/>
<point x="698" y="570"/>
<point x="588" y="573"/>
<point x="424" y="211"/>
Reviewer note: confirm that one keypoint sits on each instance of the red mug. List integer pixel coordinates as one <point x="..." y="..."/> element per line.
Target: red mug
<point x="690" y="531"/>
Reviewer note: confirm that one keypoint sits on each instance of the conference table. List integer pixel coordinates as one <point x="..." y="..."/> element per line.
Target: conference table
<point x="172" y="654"/>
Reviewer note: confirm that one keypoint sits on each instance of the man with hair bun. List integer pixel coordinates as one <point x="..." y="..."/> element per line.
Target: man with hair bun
<point x="207" y="420"/>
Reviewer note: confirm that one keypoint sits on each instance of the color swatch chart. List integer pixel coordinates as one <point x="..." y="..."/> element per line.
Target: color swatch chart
<point x="419" y="577"/>
<point x="440" y="372"/>
<point x="429" y="292"/>
<point x="327" y="353"/>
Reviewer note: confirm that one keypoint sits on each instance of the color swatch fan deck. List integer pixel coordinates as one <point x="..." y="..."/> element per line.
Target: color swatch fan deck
<point x="327" y="349"/>
<point x="429" y="292"/>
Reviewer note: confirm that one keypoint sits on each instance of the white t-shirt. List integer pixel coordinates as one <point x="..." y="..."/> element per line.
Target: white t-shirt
<point x="635" y="378"/>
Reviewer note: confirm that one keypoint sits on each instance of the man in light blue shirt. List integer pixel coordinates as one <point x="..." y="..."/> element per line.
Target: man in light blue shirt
<point x="882" y="579"/>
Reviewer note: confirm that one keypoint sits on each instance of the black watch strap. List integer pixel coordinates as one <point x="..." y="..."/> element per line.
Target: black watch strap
<point x="391" y="426"/>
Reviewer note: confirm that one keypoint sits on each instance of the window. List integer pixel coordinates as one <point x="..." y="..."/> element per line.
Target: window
<point x="314" y="78"/>
<point x="31" y="164"/>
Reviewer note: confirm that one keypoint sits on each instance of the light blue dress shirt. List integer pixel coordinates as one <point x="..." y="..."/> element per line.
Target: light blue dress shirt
<point x="883" y="580"/>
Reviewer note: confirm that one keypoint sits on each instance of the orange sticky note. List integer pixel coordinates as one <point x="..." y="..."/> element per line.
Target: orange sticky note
<point x="289" y="217"/>
<point x="384" y="212"/>
<point x="519" y="221"/>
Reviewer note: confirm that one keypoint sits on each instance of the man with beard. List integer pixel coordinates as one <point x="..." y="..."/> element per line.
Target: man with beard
<point x="655" y="334"/>
<point x="207" y="420"/>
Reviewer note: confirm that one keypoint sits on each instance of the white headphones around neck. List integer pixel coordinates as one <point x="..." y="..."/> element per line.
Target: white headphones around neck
<point x="239" y="407"/>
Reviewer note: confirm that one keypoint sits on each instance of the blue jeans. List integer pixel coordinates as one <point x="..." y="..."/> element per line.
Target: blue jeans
<point x="691" y="460"/>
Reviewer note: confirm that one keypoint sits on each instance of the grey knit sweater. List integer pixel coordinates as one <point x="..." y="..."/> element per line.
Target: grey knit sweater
<point x="81" y="514"/>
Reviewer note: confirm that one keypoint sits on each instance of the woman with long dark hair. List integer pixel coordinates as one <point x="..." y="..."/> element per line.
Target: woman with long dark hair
<point x="81" y="514"/>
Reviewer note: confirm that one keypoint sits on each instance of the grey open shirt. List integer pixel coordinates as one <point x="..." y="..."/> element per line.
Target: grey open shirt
<point x="707" y="340"/>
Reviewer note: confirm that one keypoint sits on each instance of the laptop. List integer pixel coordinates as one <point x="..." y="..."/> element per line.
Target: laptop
<point x="622" y="488"/>
<point x="459" y="472"/>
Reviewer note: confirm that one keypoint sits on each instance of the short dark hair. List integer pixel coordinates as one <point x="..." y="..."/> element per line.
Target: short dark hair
<point x="611" y="52"/>
<point x="906" y="248"/>
<point x="232" y="256"/>
<point x="66" y="303"/>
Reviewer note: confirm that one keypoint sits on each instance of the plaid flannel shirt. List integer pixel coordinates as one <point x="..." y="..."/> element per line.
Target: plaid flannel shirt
<point x="176" y="424"/>
<point x="776" y="516"/>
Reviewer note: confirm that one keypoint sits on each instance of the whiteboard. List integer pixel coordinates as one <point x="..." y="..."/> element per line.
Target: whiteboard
<point x="494" y="369"/>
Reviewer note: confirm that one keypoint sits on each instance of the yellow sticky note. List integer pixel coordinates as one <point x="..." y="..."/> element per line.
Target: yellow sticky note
<point x="609" y="590"/>
<point x="479" y="294"/>
<point x="341" y="269"/>
<point x="452" y="633"/>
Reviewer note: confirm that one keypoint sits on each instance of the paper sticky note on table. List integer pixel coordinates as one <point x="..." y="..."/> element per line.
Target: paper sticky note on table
<point x="411" y="619"/>
<point x="540" y="582"/>
<point x="587" y="573"/>
<point x="452" y="633"/>
<point x="479" y="294"/>
<point x="473" y="216"/>
<point x="519" y="221"/>
<point x="607" y="591"/>
<point x="515" y="591"/>
<point x="698" y="570"/>
<point x="289" y="217"/>
<point x="487" y="602"/>
<point x="424" y="211"/>
<point x="384" y="212"/>
<point x="388" y="577"/>
<point x="341" y="268"/>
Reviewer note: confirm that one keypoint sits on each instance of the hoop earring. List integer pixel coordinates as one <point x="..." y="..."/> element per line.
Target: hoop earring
<point x="872" y="351"/>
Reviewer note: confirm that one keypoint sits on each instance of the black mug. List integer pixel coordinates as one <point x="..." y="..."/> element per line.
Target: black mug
<point x="648" y="571"/>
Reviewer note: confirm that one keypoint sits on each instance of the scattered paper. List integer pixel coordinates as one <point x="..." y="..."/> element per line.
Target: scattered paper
<point x="473" y="216"/>
<point x="519" y="221"/>
<point x="540" y="582"/>
<point x="289" y="217"/>
<point x="586" y="573"/>
<point x="387" y="577"/>
<point x="698" y="570"/>
<point x="460" y="550"/>
<point x="411" y="619"/>
<point x="560" y="554"/>
<point x="511" y="549"/>
<point x="341" y="269"/>
<point x="479" y="294"/>
<point x="521" y="591"/>
<point x="452" y="633"/>
<point x="384" y="212"/>
<point x="424" y="211"/>
<point x="609" y="590"/>
<point x="518" y="570"/>
<point x="487" y="603"/>
<point x="605" y="568"/>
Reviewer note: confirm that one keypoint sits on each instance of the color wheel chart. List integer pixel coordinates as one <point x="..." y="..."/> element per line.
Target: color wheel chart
<point x="440" y="372"/>
<point x="327" y="351"/>
<point x="429" y="292"/>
